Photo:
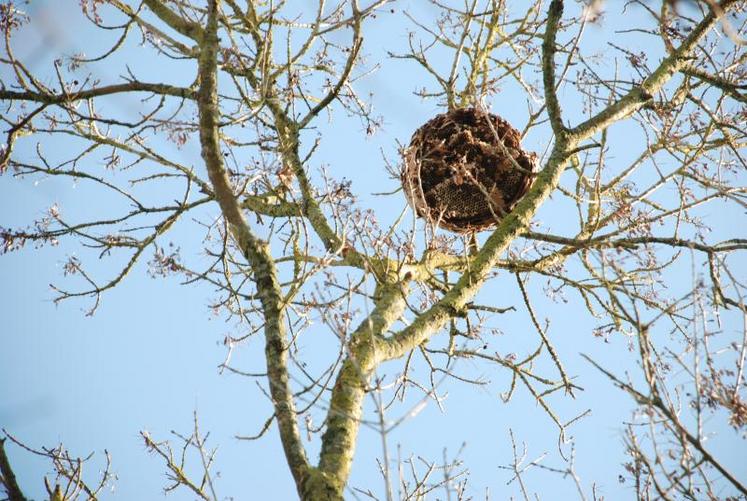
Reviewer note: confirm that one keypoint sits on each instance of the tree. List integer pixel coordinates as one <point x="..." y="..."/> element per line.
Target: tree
<point x="640" y="146"/>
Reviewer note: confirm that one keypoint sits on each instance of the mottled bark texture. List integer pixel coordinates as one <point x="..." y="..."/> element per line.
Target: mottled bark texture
<point x="256" y="251"/>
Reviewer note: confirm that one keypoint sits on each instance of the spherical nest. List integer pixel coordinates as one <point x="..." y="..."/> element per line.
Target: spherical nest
<point x="464" y="170"/>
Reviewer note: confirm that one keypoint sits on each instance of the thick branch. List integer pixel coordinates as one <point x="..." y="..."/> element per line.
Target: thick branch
<point x="176" y="22"/>
<point x="270" y="205"/>
<point x="346" y="406"/>
<point x="636" y="97"/>
<point x="548" y="65"/>
<point x="256" y="252"/>
<point x="8" y="477"/>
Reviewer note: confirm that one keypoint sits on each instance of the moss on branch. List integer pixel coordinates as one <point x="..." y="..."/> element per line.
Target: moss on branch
<point x="346" y="405"/>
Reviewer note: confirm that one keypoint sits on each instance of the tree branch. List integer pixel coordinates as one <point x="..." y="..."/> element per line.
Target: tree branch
<point x="8" y="479"/>
<point x="176" y="22"/>
<point x="255" y="250"/>
<point x="346" y="406"/>
<point x="637" y="96"/>
<point x="68" y="97"/>
<point x="655" y="401"/>
<point x="548" y="66"/>
<point x="731" y="88"/>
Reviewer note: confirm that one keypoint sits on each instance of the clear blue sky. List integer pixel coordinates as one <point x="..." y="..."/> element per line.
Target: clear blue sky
<point x="148" y="359"/>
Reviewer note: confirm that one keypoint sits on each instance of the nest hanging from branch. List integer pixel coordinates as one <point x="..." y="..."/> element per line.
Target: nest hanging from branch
<point x="465" y="170"/>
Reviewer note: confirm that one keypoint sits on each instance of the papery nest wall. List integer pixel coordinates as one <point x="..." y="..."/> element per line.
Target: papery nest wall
<point x="465" y="170"/>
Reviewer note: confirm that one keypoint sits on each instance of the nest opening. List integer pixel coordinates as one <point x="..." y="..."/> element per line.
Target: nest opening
<point x="465" y="170"/>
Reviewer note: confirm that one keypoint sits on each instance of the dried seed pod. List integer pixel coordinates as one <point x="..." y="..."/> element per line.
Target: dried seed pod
<point x="464" y="170"/>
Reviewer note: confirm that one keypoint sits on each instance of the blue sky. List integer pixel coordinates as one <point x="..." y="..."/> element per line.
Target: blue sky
<point x="148" y="359"/>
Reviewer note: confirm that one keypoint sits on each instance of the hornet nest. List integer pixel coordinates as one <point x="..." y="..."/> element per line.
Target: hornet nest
<point x="465" y="170"/>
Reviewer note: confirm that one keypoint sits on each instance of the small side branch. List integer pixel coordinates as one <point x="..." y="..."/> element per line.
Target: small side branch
<point x="69" y="97"/>
<point x="550" y="348"/>
<point x="657" y="403"/>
